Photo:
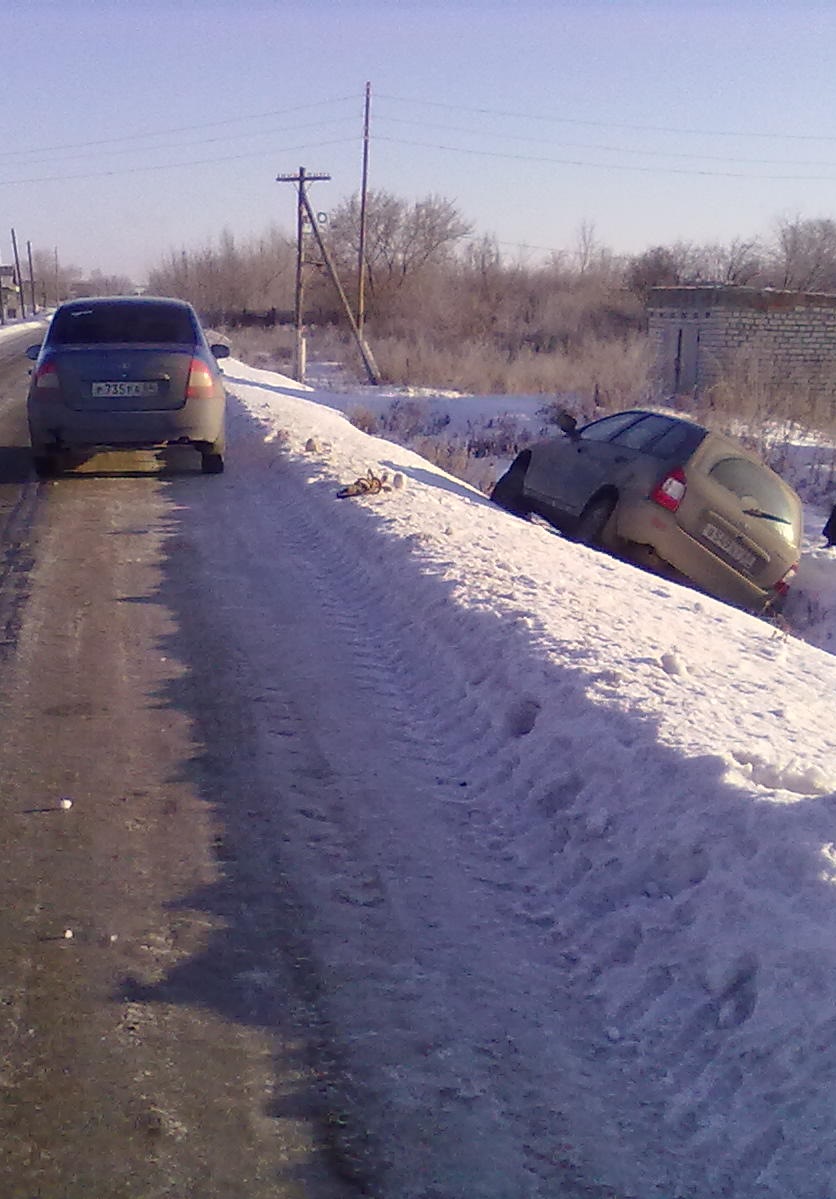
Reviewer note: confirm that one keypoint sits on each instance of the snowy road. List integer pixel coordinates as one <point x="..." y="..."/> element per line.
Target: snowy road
<point x="369" y="749"/>
<point x="414" y="852"/>
<point x="290" y="969"/>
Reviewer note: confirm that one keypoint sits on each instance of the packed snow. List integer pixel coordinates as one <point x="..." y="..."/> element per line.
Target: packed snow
<point x="643" y="782"/>
<point x="610" y="847"/>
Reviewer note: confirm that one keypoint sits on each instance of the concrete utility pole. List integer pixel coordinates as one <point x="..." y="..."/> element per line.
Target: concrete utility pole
<point x="365" y="353"/>
<point x="364" y="186"/>
<point x="301" y="206"/>
<point x="305" y="212"/>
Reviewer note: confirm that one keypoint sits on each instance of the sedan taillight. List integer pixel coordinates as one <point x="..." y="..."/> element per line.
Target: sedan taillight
<point x="201" y="384"/>
<point x="45" y="377"/>
<point x="670" y="491"/>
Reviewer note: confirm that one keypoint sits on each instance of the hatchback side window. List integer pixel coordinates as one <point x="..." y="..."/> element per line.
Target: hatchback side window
<point x="643" y="432"/>
<point x="679" y="441"/>
<point x="606" y="429"/>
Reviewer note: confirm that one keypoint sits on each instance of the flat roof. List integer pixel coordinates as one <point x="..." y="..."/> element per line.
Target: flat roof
<point x="760" y="299"/>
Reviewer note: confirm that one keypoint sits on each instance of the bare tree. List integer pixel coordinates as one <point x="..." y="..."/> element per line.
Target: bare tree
<point x="588" y="249"/>
<point x="804" y="254"/>
<point x="686" y="263"/>
<point x="99" y="284"/>
<point x="740" y="262"/>
<point x="53" y="280"/>
<point x="230" y="276"/>
<point x="659" y="266"/>
<point x="401" y="239"/>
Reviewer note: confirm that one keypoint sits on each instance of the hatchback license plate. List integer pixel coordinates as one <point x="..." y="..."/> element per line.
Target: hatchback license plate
<point x="731" y="548"/>
<point x="126" y="388"/>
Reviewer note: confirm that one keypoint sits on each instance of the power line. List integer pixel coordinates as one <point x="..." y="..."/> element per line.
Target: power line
<point x="201" y="142"/>
<point x="609" y="166"/>
<point x="278" y="112"/>
<point x="455" y="149"/>
<point x="520" y="137"/>
<point x="498" y="154"/>
<point x="528" y="116"/>
<point x="170" y="166"/>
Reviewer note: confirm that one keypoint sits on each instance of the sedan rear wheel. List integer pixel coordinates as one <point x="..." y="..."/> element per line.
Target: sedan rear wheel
<point x="47" y="466"/>
<point x="212" y="464"/>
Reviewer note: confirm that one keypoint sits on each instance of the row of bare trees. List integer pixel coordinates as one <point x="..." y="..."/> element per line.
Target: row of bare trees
<point x="55" y="281"/>
<point x="414" y="249"/>
<point x="799" y="255"/>
<point x="443" y="305"/>
<point x="231" y="275"/>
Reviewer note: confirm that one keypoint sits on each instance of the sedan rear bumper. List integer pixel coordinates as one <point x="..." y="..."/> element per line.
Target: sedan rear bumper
<point x="54" y="426"/>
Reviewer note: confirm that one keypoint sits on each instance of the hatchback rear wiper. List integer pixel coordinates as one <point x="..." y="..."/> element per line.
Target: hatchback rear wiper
<point x="766" y="515"/>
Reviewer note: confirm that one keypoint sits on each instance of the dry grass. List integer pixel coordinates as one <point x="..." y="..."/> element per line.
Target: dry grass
<point x="267" y="349"/>
<point x="364" y="420"/>
<point x="759" y="402"/>
<point x="618" y="372"/>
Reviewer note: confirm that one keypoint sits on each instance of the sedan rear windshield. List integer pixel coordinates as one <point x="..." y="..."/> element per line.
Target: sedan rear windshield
<point x="103" y="323"/>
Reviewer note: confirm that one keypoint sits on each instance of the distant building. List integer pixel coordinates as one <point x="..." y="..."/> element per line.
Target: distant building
<point x="9" y="294"/>
<point x="111" y="285"/>
<point x="80" y="289"/>
<point x="698" y="330"/>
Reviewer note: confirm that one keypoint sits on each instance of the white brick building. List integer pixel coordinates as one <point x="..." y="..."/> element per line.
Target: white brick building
<point x="696" y="329"/>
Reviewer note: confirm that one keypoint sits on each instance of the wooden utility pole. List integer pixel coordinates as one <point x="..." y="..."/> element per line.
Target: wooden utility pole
<point x="31" y="278"/>
<point x="301" y="213"/>
<point x="305" y="212"/>
<point x="361" y="257"/>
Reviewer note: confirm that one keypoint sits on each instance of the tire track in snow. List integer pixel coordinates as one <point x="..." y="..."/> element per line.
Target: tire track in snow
<point x="436" y="960"/>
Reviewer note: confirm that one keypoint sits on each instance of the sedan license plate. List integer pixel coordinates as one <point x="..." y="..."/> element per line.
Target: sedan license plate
<point x="731" y="548"/>
<point x="126" y="388"/>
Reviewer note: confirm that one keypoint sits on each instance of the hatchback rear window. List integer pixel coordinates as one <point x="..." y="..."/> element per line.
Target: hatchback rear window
<point x="760" y="495"/>
<point x="122" y="323"/>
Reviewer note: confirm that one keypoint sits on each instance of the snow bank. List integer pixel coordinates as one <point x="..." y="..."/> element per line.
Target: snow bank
<point x="649" y="777"/>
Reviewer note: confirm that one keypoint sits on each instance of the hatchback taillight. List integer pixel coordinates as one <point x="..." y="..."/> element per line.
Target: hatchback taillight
<point x="46" y="376"/>
<point x="201" y="384"/>
<point x="783" y="584"/>
<point x="670" y="491"/>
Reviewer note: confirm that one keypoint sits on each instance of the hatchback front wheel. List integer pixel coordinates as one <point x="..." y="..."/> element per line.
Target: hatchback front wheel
<point x="593" y="520"/>
<point x="508" y="490"/>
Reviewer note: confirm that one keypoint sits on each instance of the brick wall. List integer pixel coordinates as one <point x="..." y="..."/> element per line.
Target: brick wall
<point x="696" y="329"/>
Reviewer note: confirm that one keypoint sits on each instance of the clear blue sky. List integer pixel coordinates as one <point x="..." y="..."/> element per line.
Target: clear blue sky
<point x="136" y="127"/>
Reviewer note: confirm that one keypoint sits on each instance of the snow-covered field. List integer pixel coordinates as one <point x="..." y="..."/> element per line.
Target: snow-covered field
<point x="643" y="781"/>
